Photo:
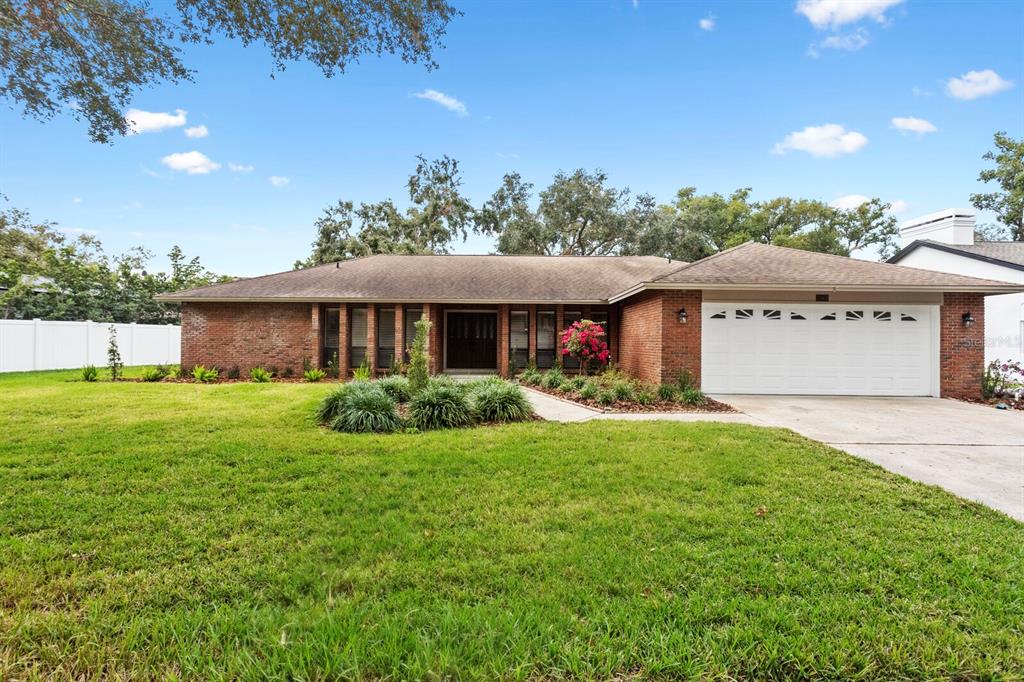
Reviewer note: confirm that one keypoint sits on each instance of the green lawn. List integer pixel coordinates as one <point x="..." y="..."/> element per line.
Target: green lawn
<point x="176" y="530"/>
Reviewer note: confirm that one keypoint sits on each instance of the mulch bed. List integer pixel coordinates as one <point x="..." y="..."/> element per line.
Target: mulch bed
<point x="1011" y="403"/>
<point x="634" y="407"/>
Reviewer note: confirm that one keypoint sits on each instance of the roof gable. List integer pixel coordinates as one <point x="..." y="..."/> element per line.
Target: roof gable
<point x="1006" y="254"/>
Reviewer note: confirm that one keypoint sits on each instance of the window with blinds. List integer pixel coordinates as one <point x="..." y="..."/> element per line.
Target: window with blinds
<point x="545" y="339"/>
<point x="519" y="339"/>
<point x="331" y="340"/>
<point x="412" y="316"/>
<point x="357" y="338"/>
<point x="385" y="337"/>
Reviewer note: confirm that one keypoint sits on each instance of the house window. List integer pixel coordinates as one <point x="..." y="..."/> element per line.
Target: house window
<point x="385" y="338"/>
<point x="570" y="316"/>
<point x="357" y="338"/>
<point x="411" y="317"/>
<point x="332" y="331"/>
<point x="519" y="339"/>
<point x="545" y="339"/>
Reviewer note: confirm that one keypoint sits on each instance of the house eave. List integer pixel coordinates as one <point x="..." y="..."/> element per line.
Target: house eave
<point x="674" y="286"/>
<point x="947" y="248"/>
<point x="171" y="298"/>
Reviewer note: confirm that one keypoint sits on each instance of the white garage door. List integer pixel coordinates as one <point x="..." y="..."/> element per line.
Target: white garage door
<point x="819" y="349"/>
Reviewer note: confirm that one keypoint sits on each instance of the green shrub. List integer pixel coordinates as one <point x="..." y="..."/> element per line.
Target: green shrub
<point x="470" y="387"/>
<point x="419" y="368"/>
<point x="606" y="397"/>
<point x="288" y="372"/>
<point x="235" y="372"/>
<point x="362" y="372"/>
<point x="530" y="377"/>
<point x="685" y="380"/>
<point x="313" y="375"/>
<point x="366" y="408"/>
<point x="622" y="390"/>
<point x="174" y="371"/>
<point x="440" y="405"/>
<point x="553" y="378"/>
<point x="332" y="366"/>
<point x="154" y="373"/>
<point x="501" y="401"/>
<point x="90" y="373"/>
<point x="589" y="390"/>
<point x="667" y="392"/>
<point x="203" y="375"/>
<point x="574" y="385"/>
<point x="329" y="407"/>
<point x="693" y="396"/>
<point x="644" y="396"/>
<point x="397" y="387"/>
<point x="258" y="375"/>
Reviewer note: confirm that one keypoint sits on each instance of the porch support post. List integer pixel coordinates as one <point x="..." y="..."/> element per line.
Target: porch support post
<point x="343" y="341"/>
<point x="313" y="351"/>
<point x="613" y="338"/>
<point x="432" y="312"/>
<point x="503" y="339"/>
<point x="371" y="337"/>
<point x="559" y="328"/>
<point x="533" y="335"/>
<point x="399" y="334"/>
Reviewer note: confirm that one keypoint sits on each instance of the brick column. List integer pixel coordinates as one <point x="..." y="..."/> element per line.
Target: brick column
<point x="313" y="347"/>
<point x="961" y="349"/>
<point x="613" y="338"/>
<point x="503" y="339"/>
<point x="343" y="341"/>
<point x="435" y="347"/>
<point x="680" y="341"/>
<point x="399" y="334"/>
<point x="371" y="337"/>
<point x="532" y="343"/>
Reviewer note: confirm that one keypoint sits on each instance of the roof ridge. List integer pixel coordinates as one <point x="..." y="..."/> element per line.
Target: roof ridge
<point x="705" y="259"/>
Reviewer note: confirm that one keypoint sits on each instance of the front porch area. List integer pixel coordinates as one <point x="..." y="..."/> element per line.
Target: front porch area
<point x="463" y="339"/>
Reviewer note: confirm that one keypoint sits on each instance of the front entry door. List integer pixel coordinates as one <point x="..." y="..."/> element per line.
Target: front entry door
<point x="471" y="340"/>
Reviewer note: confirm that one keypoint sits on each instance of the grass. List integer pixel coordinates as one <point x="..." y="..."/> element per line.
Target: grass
<point x="212" y="532"/>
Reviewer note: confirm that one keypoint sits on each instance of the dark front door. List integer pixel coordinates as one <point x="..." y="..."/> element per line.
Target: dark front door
<point x="472" y="340"/>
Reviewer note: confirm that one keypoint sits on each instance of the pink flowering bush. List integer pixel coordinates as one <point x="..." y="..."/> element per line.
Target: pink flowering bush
<point x="585" y="341"/>
<point x="1002" y="379"/>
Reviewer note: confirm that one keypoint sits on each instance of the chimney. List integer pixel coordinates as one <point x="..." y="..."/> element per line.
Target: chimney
<point x="950" y="226"/>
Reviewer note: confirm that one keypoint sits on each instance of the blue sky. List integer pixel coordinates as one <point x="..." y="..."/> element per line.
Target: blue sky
<point x="788" y="99"/>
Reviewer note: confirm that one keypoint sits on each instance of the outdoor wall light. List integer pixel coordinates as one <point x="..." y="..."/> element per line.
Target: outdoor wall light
<point x="682" y="315"/>
<point x="968" y="319"/>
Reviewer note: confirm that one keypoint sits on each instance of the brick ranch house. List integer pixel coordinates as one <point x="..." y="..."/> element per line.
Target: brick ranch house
<point x="752" y="319"/>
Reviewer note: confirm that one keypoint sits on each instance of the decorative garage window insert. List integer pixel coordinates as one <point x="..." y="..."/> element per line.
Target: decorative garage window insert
<point x="907" y="318"/>
<point x="772" y="314"/>
<point x="796" y="316"/>
<point x="744" y="314"/>
<point x="718" y="316"/>
<point x="855" y="314"/>
<point x="829" y="316"/>
<point x="883" y="316"/>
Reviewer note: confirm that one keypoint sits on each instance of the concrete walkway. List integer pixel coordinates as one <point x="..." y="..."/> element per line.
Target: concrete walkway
<point x="557" y="410"/>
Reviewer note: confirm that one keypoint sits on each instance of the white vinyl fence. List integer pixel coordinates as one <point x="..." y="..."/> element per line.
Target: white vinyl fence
<point x="39" y="344"/>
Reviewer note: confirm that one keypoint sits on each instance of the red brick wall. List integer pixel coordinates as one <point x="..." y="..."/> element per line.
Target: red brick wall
<point x="653" y="344"/>
<point x="248" y="335"/>
<point x="961" y="349"/>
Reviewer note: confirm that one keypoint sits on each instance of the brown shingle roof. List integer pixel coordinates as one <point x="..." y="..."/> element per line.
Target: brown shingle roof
<point x="755" y="265"/>
<point x="491" y="279"/>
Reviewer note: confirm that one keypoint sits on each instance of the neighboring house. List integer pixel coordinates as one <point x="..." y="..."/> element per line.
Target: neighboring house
<point x="752" y="319"/>
<point x="944" y="241"/>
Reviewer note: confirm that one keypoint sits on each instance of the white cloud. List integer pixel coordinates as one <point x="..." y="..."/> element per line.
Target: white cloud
<point x="193" y="163"/>
<point x="920" y="92"/>
<point x="909" y="124"/>
<point x="852" y="201"/>
<point x="975" y="84"/>
<point x="835" y="13"/>
<point x="827" y="140"/>
<point x="76" y="200"/>
<point x="850" y="42"/>
<point x="707" y="23"/>
<point x="197" y="131"/>
<point x="279" y="181"/>
<point x="140" y="121"/>
<point x="446" y="101"/>
<point x="240" y="167"/>
<point x="849" y="201"/>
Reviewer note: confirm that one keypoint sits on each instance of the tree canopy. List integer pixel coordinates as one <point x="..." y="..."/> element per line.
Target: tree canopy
<point x="438" y="215"/>
<point x="1008" y="201"/>
<point x="48" y="275"/>
<point x="92" y="56"/>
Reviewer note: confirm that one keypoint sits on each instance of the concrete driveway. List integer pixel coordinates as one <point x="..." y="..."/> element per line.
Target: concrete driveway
<point x="973" y="451"/>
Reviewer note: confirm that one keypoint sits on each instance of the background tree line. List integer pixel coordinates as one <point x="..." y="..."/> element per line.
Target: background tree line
<point x="579" y="213"/>
<point x="48" y="275"/>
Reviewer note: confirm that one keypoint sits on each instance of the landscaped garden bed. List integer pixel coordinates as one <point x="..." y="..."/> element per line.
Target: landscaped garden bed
<point x="613" y="391"/>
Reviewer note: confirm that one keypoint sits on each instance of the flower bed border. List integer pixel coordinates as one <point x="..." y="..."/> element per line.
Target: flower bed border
<point x="657" y="407"/>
